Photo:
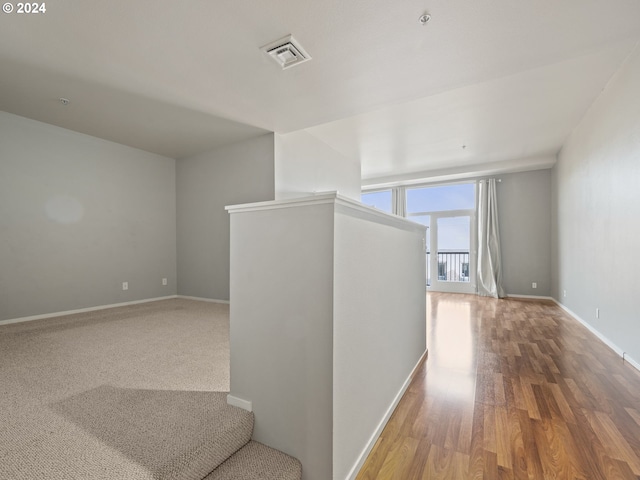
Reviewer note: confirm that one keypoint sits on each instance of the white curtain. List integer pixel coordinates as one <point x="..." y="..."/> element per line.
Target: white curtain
<point x="489" y="276"/>
<point x="399" y="199"/>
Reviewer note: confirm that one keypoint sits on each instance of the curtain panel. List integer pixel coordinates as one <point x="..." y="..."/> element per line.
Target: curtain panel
<point x="489" y="275"/>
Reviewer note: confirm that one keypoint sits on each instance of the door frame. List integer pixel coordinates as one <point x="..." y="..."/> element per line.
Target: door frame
<point x="453" y="287"/>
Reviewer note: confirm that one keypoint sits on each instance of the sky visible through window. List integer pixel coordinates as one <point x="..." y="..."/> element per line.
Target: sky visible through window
<point x="380" y="200"/>
<point x="438" y="199"/>
<point x="453" y="233"/>
<point x="427" y="199"/>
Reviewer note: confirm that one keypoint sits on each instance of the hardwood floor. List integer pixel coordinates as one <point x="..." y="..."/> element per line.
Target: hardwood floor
<point x="512" y="389"/>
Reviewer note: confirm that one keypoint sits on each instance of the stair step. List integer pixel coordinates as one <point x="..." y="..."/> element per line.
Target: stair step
<point x="214" y="432"/>
<point x="157" y="434"/>
<point x="256" y="461"/>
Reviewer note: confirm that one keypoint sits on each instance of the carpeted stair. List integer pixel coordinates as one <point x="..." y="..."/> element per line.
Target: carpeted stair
<point x="256" y="461"/>
<point x="252" y="460"/>
<point x="220" y="448"/>
<point x="173" y="435"/>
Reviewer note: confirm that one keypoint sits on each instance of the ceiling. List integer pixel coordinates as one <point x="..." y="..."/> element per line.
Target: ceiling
<point x="483" y="83"/>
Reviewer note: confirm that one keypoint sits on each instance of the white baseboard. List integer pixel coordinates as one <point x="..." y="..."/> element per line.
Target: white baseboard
<point x="202" y="299"/>
<point x="378" y="431"/>
<point x="83" y="310"/>
<point x="626" y="358"/>
<point x="240" y="403"/>
<point x="532" y="297"/>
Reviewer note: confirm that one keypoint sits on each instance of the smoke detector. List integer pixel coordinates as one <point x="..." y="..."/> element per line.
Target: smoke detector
<point x="286" y="52"/>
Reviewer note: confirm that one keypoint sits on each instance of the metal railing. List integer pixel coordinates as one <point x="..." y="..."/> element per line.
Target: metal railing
<point x="453" y="266"/>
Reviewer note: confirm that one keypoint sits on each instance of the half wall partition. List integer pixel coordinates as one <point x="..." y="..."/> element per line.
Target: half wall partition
<point x="328" y="322"/>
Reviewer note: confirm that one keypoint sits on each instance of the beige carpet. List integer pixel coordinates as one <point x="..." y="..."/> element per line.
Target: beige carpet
<point x="114" y="394"/>
<point x="258" y="462"/>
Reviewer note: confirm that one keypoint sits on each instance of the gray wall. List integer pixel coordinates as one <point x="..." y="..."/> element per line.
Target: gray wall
<point x="524" y="211"/>
<point x="239" y="173"/>
<point x="78" y="216"/>
<point x="597" y="213"/>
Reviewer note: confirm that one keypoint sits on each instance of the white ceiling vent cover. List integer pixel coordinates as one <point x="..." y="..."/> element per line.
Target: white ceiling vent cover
<point x="286" y="52"/>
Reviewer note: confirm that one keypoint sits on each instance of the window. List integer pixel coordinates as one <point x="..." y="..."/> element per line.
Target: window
<point x="449" y="212"/>
<point x="382" y="200"/>
<point x="441" y="199"/>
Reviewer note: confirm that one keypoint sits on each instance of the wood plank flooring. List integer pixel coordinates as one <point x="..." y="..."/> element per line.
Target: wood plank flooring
<point x="512" y="389"/>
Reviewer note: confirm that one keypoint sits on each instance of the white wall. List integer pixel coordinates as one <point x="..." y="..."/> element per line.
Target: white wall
<point x="379" y="327"/>
<point x="597" y="213"/>
<point x="328" y="319"/>
<point x="238" y="173"/>
<point x="524" y="216"/>
<point x="78" y="216"/>
<point x="305" y="165"/>
<point x="282" y="328"/>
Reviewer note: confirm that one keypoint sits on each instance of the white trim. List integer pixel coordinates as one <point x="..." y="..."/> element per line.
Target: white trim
<point x="83" y="310"/>
<point x="532" y="297"/>
<point x="370" y="214"/>
<point x="601" y="337"/>
<point x="378" y="431"/>
<point x="319" y="199"/>
<point x="240" y="403"/>
<point x="630" y="361"/>
<point x="340" y="204"/>
<point x="455" y="174"/>
<point x="202" y="299"/>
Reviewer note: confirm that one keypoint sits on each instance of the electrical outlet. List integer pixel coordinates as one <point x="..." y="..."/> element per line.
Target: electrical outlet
<point x="564" y="293"/>
<point x="534" y="285"/>
<point x="164" y="281"/>
<point x="125" y="285"/>
<point x="597" y="313"/>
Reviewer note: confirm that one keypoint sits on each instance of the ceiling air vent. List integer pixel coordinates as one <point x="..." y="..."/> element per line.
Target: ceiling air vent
<point x="286" y="52"/>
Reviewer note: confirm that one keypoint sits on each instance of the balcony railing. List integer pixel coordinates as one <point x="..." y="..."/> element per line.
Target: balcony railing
<point x="453" y="266"/>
